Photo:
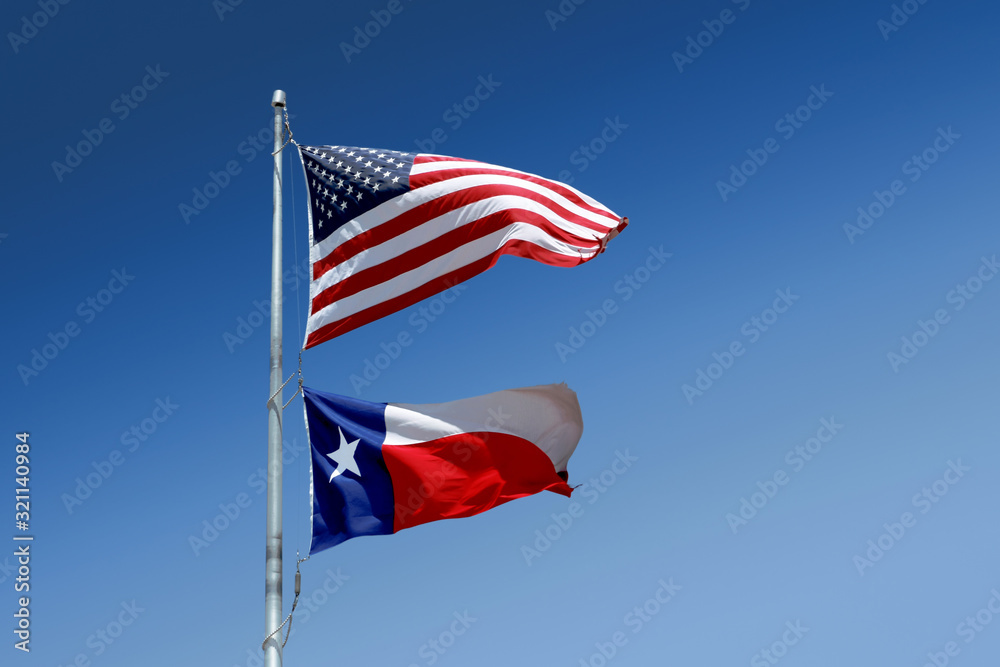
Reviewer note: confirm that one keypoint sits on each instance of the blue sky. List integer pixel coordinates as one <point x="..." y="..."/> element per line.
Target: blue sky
<point x="746" y="137"/>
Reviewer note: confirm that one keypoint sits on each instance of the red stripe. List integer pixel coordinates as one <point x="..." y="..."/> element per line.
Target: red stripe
<point x="465" y="474"/>
<point x="424" y="157"/>
<point x="420" y="214"/>
<point x="427" y="178"/>
<point x="515" y="247"/>
<point x="439" y="246"/>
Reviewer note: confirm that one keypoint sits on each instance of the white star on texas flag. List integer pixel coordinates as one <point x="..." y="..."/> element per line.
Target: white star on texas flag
<point x="344" y="456"/>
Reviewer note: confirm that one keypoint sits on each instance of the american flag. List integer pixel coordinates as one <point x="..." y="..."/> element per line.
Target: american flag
<point x="388" y="229"/>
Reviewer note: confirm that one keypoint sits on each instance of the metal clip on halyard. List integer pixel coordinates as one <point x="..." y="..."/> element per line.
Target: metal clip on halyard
<point x="288" y="619"/>
<point x="282" y="387"/>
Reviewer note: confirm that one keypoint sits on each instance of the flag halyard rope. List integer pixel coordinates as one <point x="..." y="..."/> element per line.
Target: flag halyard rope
<point x="299" y="374"/>
<point x="287" y="127"/>
<point x="297" y="391"/>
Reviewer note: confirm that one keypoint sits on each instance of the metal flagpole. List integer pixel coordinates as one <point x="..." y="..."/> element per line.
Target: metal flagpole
<point x="272" y="575"/>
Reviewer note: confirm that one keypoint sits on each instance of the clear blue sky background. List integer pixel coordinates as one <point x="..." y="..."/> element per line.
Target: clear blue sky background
<point x="163" y="337"/>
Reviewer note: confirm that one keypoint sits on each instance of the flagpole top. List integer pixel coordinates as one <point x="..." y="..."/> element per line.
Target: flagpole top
<point x="278" y="99"/>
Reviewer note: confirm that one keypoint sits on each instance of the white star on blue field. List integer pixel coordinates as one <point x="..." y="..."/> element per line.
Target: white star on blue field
<point x="344" y="457"/>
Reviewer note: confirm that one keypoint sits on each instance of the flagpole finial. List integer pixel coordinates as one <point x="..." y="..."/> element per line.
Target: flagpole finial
<point x="278" y="99"/>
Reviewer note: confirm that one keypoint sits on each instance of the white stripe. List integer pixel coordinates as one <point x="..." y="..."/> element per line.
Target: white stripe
<point x="471" y="180"/>
<point x="547" y="415"/>
<point x="453" y="163"/>
<point x="399" y="205"/>
<point x="442" y="165"/>
<point x="437" y="227"/>
<point x="436" y="268"/>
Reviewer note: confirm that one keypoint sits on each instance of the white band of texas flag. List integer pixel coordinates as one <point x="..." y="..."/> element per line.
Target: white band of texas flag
<point x="388" y="229"/>
<point x="378" y="468"/>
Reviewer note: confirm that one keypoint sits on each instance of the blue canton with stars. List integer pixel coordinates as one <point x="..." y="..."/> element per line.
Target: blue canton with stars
<point x="346" y="181"/>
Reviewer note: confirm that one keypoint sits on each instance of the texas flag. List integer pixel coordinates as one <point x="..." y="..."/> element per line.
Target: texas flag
<point x="378" y="468"/>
